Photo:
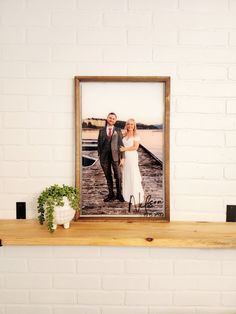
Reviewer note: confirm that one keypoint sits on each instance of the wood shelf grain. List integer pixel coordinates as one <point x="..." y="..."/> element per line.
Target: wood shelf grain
<point x="122" y="233"/>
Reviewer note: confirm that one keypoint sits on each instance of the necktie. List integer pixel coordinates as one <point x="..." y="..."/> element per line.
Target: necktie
<point x="109" y="132"/>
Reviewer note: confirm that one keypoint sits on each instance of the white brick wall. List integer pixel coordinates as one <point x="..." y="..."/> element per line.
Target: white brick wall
<point x="56" y="280"/>
<point x="43" y="45"/>
<point x="197" y="281"/>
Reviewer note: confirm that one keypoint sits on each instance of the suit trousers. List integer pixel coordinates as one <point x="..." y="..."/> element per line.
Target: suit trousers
<point x="108" y="164"/>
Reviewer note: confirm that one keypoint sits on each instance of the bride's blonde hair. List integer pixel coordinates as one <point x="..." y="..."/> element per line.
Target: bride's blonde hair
<point x="135" y="126"/>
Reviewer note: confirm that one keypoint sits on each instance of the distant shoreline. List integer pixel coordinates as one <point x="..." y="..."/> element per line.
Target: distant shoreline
<point x="97" y="129"/>
<point x="93" y="123"/>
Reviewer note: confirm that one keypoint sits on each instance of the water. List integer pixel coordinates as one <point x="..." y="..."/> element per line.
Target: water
<point x="151" y="139"/>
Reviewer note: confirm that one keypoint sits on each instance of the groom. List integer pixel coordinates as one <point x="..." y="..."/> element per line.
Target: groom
<point x="109" y="143"/>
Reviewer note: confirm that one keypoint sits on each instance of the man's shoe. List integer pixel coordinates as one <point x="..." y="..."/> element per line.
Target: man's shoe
<point x="109" y="198"/>
<point x="120" y="198"/>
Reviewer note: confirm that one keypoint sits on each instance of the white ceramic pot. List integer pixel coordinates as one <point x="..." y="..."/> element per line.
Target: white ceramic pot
<point x="63" y="214"/>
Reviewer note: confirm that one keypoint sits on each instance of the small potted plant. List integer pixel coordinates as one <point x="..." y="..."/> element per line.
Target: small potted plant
<point x="58" y="205"/>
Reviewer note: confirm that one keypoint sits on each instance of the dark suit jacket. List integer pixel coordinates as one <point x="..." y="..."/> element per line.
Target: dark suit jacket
<point x="116" y="143"/>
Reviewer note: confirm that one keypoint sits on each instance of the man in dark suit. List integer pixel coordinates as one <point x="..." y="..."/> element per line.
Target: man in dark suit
<point x="109" y="143"/>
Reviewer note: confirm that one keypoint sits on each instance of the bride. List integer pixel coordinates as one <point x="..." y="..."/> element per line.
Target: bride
<point x="131" y="177"/>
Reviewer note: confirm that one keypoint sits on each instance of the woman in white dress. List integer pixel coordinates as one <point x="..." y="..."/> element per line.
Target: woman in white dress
<point x="131" y="177"/>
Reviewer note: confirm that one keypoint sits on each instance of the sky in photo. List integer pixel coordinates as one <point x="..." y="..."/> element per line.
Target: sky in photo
<point x="142" y="101"/>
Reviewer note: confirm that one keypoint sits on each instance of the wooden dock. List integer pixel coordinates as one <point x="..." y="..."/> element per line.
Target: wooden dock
<point x="94" y="187"/>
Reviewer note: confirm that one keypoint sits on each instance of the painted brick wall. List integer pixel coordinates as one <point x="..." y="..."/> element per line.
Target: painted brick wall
<point x="43" y="45"/>
<point x="106" y="280"/>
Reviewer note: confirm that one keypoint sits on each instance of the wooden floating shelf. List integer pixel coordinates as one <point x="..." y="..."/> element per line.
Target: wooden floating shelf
<point x="122" y="233"/>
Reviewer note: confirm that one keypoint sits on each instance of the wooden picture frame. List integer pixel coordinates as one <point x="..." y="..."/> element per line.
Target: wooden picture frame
<point x="147" y="100"/>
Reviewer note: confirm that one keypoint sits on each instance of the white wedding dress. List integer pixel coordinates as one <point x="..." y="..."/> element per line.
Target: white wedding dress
<point x="131" y="178"/>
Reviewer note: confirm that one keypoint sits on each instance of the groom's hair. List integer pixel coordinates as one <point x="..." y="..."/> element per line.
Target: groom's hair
<point x="113" y="113"/>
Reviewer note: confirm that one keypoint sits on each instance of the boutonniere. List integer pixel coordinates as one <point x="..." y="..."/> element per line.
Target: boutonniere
<point x="114" y="132"/>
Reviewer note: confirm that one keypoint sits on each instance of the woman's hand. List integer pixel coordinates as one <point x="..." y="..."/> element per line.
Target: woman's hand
<point x="122" y="149"/>
<point x="122" y="161"/>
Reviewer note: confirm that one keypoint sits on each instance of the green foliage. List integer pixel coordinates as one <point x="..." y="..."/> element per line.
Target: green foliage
<point x="120" y="124"/>
<point x="53" y="196"/>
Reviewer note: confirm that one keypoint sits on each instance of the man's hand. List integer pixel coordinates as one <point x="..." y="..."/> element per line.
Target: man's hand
<point x="122" y="149"/>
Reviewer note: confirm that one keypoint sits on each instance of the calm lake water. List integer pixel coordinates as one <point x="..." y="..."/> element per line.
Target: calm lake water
<point x="151" y="139"/>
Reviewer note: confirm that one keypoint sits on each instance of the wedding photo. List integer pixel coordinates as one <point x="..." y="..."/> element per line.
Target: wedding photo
<point x="122" y="149"/>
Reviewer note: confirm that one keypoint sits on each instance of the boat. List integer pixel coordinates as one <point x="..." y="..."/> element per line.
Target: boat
<point x="88" y="161"/>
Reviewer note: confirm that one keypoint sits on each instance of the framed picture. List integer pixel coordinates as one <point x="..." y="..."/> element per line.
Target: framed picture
<point x="122" y="146"/>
